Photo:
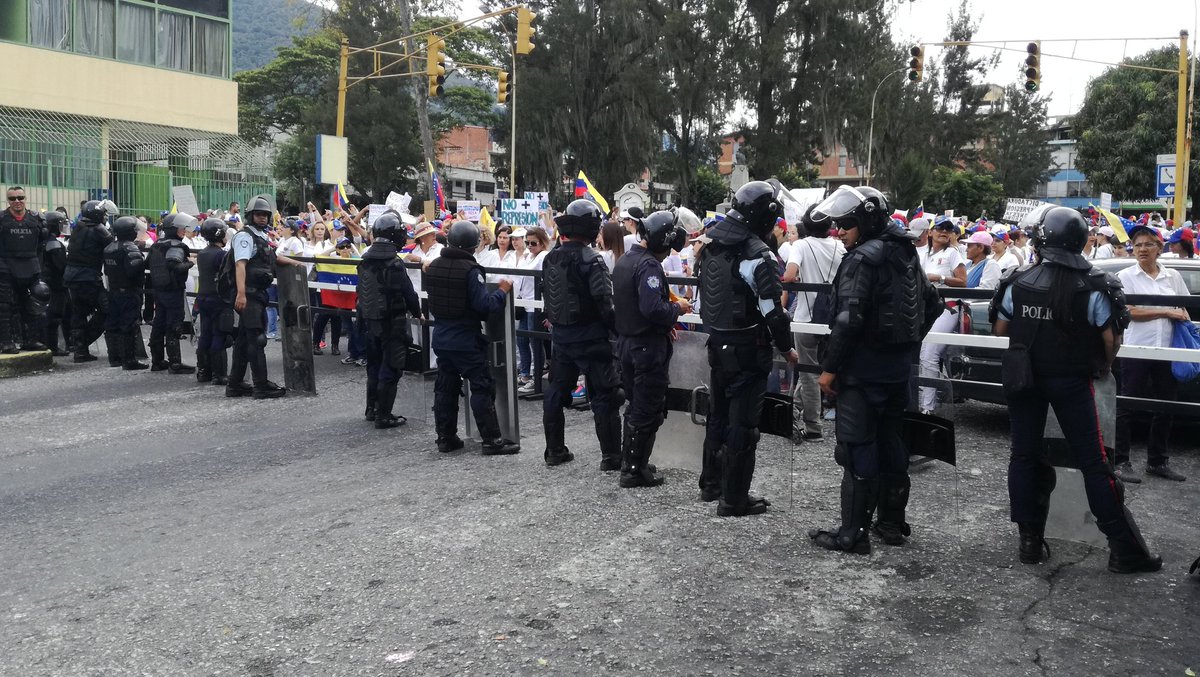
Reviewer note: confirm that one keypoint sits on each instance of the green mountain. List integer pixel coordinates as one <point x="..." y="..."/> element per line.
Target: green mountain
<point x="260" y="26"/>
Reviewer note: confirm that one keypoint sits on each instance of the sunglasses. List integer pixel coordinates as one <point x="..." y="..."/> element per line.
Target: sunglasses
<point x="19" y="198"/>
<point x="532" y="243"/>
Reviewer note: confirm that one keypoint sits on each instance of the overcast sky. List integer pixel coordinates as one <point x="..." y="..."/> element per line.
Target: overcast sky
<point x="1021" y="21"/>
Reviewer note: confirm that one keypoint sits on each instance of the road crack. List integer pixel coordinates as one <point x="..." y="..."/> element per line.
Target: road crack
<point x="1026" y="617"/>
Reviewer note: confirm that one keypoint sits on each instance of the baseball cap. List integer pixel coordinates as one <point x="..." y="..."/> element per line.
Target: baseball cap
<point x="1107" y="231"/>
<point x="918" y="225"/>
<point x="980" y="237"/>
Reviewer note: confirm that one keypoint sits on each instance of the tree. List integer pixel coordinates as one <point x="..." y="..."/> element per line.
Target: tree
<point x="1016" y="146"/>
<point x="968" y="192"/>
<point x="1127" y="118"/>
<point x="274" y="98"/>
<point x="709" y="190"/>
<point x="911" y="182"/>
<point x="798" y="176"/>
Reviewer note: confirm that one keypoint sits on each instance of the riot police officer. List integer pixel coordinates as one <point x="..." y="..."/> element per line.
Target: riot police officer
<point x="459" y="302"/>
<point x="386" y="299"/>
<point x="252" y="272"/>
<point x="85" y="258"/>
<point x="21" y="238"/>
<point x="741" y="305"/>
<point x="124" y="266"/>
<point x="1064" y="320"/>
<point x="644" y="331"/>
<point x="54" y="265"/>
<point x="169" y="262"/>
<point x="883" y="306"/>
<point x="578" y="295"/>
<point x="212" y="365"/>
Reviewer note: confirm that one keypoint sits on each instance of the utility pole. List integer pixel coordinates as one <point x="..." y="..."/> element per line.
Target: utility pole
<point x="1181" y="135"/>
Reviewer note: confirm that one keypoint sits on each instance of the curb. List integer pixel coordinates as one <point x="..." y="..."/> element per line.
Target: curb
<point x="20" y="364"/>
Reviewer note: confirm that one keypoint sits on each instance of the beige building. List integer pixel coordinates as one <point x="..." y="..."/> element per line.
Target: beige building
<point x="125" y="99"/>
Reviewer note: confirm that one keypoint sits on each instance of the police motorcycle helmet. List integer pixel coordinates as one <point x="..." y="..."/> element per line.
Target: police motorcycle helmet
<point x="169" y="228"/>
<point x="661" y="232"/>
<point x="581" y="219"/>
<point x="213" y="230"/>
<point x="756" y="205"/>
<point x="54" y="222"/>
<point x="125" y="229"/>
<point x="1059" y="237"/>
<point x="259" y="203"/>
<point x="463" y="235"/>
<point x="97" y="211"/>
<point x="388" y="228"/>
<point x="862" y="207"/>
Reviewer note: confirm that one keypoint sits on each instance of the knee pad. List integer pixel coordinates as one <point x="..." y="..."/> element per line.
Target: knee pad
<point x="260" y="339"/>
<point x="841" y="455"/>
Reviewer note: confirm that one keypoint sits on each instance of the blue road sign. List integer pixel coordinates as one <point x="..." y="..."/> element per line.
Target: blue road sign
<point x="1164" y="180"/>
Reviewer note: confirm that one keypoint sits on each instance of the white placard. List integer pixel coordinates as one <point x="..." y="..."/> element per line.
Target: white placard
<point x="1016" y="208"/>
<point x="374" y="212"/>
<point x="185" y="200"/>
<point x="398" y="202"/>
<point x="522" y="213"/>
<point x="537" y="197"/>
<point x="1106" y="201"/>
<point x="470" y="209"/>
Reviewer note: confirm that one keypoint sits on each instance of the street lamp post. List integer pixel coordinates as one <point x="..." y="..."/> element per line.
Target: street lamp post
<point x="871" y="134"/>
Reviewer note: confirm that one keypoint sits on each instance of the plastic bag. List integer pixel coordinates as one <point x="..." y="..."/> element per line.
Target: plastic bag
<point x="1186" y="335"/>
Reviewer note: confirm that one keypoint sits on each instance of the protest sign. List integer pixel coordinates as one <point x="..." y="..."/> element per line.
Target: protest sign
<point x="523" y="213"/>
<point x="470" y="209"/>
<point x="185" y="200"/>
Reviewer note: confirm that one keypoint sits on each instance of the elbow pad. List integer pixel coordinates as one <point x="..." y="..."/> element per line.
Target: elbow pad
<point x="600" y="289"/>
<point x="780" y="326"/>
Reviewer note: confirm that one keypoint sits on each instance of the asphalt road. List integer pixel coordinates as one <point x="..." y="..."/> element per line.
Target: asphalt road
<point x="152" y="527"/>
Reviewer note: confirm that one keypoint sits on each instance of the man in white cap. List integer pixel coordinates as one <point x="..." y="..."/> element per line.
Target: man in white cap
<point x="629" y="221"/>
<point x="920" y="228"/>
<point x="1104" y="248"/>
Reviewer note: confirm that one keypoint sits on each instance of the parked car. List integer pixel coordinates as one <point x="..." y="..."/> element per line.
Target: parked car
<point x="970" y="364"/>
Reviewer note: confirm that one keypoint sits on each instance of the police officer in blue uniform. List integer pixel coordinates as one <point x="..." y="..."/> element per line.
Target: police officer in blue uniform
<point x="212" y="365"/>
<point x="85" y="260"/>
<point x="169" y="261"/>
<point x="124" y="266"/>
<point x="21" y="238"/>
<point x="254" y="268"/>
<point x="883" y="306"/>
<point x="741" y="305"/>
<point x="54" y="265"/>
<point x="386" y="299"/>
<point x="644" y="330"/>
<point x="459" y="302"/>
<point x="1064" y="320"/>
<point x="578" y="295"/>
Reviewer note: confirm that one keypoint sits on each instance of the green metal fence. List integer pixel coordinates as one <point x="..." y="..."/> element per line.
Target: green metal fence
<point x="62" y="160"/>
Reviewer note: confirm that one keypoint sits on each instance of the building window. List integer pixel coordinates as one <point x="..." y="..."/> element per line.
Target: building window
<point x="50" y="23"/>
<point x="212" y="48"/>
<point x="218" y="8"/>
<point x="95" y="27"/>
<point x="485" y="187"/>
<point x="174" y="41"/>
<point x="136" y="28"/>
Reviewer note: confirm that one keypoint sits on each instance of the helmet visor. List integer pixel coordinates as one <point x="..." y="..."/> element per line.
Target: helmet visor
<point x="841" y="204"/>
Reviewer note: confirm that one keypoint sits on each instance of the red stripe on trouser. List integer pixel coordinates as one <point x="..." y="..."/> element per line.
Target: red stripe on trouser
<point x="1112" y="484"/>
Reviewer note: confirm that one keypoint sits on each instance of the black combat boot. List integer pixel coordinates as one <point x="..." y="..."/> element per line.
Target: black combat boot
<point x="383" y="409"/>
<point x="203" y="367"/>
<point x="893" y="499"/>
<point x="267" y="391"/>
<point x="7" y="345"/>
<point x="218" y="362"/>
<point x="858" y="502"/>
<point x="158" y="361"/>
<point x="608" y="434"/>
<point x="112" y="346"/>
<point x="710" y="473"/>
<point x="557" y="452"/>
<point x="129" y="361"/>
<point x="736" y="476"/>
<point x="1128" y="553"/>
<point x="448" y="441"/>
<point x="637" y="471"/>
<point x="1033" y="546"/>
<point x="80" y="346"/>
<point x="51" y="338"/>
<point x="489" y="430"/>
<point x="175" y="359"/>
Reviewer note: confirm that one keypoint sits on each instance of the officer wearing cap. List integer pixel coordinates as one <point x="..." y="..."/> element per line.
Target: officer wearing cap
<point x="386" y="299"/>
<point x="883" y="307"/>
<point x="644" y="330"/>
<point x="85" y="261"/>
<point x="21" y="238"/>
<point x="125" y="267"/>
<point x="459" y="302"/>
<point x="578" y="295"/>
<point x="742" y="308"/>
<point x="1064" y="320"/>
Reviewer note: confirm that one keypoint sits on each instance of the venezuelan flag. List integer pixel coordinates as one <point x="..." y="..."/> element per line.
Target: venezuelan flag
<point x="919" y="212"/>
<point x="436" y="188"/>
<point x="1116" y="223"/>
<point x="338" y="199"/>
<point x="331" y="270"/>
<point x="584" y="188"/>
<point x="486" y="220"/>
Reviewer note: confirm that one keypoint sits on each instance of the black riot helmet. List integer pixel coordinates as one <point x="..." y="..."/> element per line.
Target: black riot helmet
<point x="259" y="203"/>
<point x="862" y="207"/>
<point x="95" y="211"/>
<point x="54" y="222"/>
<point x="582" y="219"/>
<point x="463" y="235"/>
<point x="213" y="230"/>
<point x="125" y="229"/>
<point x="1059" y="237"/>
<point x="756" y="205"/>
<point x="169" y="228"/>
<point x="388" y="228"/>
<point x="660" y="233"/>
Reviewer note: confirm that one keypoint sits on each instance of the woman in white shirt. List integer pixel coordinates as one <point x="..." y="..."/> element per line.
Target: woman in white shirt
<point x="814" y="260"/>
<point x="499" y="255"/>
<point x="427" y="249"/>
<point x="944" y="265"/>
<point x="611" y="242"/>
<point x="530" y="352"/>
<point x="1003" y="255"/>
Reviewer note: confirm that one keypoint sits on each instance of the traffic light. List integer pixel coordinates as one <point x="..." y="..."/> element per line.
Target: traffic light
<point x="1033" y="67"/>
<point x="524" y="30"/>
<point x="435" y="65"/>
<point x="916" y="65"/>
<point x="503" y="87"/>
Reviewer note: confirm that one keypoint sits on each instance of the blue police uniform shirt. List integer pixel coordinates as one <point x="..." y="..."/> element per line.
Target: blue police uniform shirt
<point x="463" y="334"/>
<point x="243" y="243"/>
<point x="746" y="270"/>
<point x="1099" y="309"/>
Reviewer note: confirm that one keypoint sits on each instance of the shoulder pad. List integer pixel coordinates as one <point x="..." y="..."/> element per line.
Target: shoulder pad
<point x="590" y="255"/>
<point x="873" y="252"/>
<point x="53" y="244"/>
<point x="756" y="249"/>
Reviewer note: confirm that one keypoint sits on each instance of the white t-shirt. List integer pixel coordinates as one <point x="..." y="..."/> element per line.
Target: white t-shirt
<point x="1155" y="333"/>
<point x="290" y="246"/>
<point x="943" y="263"/>
<point x="1104" y="251"/>
<point x="630" y="240"/>
<point x="414" y="274"/>
<point x="785" y="251"/>
<point x="818" y="259"/>
<point x="607" y="257"/>
<point x="490" y="258"/>
<point x="523" y="285"/>
<point x="991" y="274"/>
<point x="1008" y="261"/>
